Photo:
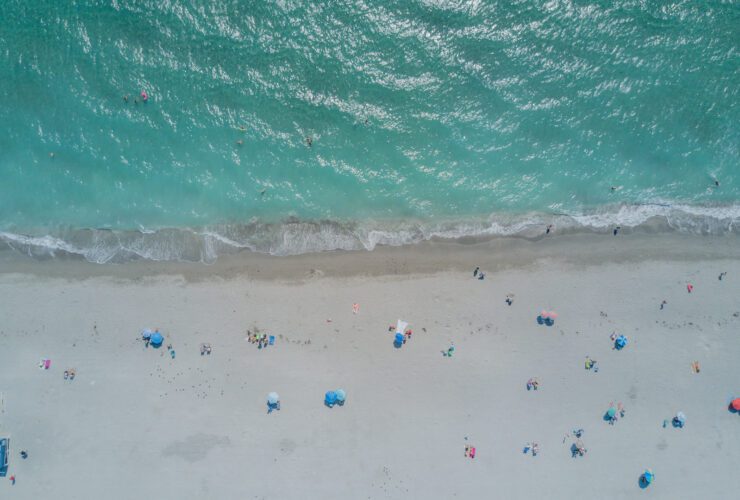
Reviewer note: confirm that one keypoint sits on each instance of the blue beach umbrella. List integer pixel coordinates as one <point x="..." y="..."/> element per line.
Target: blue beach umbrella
<point x="620" y="342"/>
<point x="273" y="398"/>
<point x="331" y="398"/>
<point x="340" y="396"/>
<point x="156" y="339"/>
<point x="648" y="475"/>
<point x="399" y="338"/>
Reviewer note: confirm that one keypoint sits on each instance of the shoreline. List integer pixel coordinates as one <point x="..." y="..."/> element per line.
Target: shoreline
<point x="293" y="236"/>
<point x="423" y="258"/>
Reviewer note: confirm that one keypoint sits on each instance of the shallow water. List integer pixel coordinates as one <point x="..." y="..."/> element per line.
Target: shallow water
<point x="426" y="118"/>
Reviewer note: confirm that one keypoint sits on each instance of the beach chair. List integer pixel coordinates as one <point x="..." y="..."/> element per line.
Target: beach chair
<point x="272" y="340"/>
<point x="4" y="454"/>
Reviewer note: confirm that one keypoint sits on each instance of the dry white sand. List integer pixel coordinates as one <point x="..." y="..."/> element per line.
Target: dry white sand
<point x="137" y="424"/>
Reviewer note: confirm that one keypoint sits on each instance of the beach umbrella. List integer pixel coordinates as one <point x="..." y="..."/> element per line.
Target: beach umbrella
<point x="611" y="412"/>
<point x="273" y="398"/>
<point x="544" y="314"/>
<point x="330" y="398"/>
<point x="399" y="338"/>
<point x="736" y="404"/>
<point x="156" y="339"/>
<point x="681" y="417"/>
<point x="146" y="334"/>
<point x="553" y="315"/>
<point x="648" y="475"/>
<point x="401" y="326"/>
<point x="341" y="395"/>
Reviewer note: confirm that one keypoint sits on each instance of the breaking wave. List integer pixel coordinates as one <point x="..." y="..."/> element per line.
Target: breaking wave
<point x="294" y="236"/>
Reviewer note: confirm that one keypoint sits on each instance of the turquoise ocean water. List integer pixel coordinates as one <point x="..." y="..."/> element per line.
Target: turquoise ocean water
<point x="427" y="118"/>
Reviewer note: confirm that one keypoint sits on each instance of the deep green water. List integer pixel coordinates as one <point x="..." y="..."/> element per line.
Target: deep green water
<point x="426" y="117"/>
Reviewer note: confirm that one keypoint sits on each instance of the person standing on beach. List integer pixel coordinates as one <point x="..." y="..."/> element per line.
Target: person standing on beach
<point x="549" y="228"/>
<point x="475" y="272"/>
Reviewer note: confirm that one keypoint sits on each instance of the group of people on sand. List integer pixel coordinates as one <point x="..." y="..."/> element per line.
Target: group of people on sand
<point x="205" y="349"/>
<point x="533" y="447"/>
<point x="260" y="339"/>
<point x="70" y="374"/>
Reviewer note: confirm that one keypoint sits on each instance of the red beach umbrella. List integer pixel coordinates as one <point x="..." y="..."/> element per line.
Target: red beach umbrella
<point x="736" y="404"/>
<point x="553" y="314"/>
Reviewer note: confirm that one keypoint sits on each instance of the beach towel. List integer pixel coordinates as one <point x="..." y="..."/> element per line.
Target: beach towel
<point x="472" y="452"/>
<point x="47" y="364"/>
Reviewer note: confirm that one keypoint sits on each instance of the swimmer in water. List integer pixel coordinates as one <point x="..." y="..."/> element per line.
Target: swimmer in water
<point x="262" y="193"/>
<point x="125" y="98"/>
<point x="239" y="142"/>
<point x="51" y="155"/>
<point x="309" y="141"/>
<point x="144" y="96"/>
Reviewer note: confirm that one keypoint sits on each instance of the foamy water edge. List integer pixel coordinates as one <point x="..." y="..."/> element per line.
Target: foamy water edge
<point x="294" y="237"/>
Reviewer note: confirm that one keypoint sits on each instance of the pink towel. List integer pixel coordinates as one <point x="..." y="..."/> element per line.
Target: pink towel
<point x="47" y="363"/>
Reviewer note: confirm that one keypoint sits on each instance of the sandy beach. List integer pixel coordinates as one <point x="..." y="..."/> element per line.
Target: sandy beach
<point x="136" y="423"/>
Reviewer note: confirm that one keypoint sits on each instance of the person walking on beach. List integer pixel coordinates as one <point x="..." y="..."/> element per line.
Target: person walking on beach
<point x="549" y="228"/>
<point x="616" y="230"/>
<point x="722" y="275"/>
<point x="662" y="305"/>
<point x="475" y="272"/>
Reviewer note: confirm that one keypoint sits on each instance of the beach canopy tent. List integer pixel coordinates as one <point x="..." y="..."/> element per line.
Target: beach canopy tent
<point x="156" y="339"/>
<point x="330" y="398"/>
<point x="401" y="326"/>
<point x="273" y="398"/>
<point x="341" y="395"/>
<point x="736" y="404"/>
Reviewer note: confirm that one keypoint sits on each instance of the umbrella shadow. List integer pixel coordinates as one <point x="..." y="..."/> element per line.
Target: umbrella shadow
<point x="642" y="482"/>
<point x="540" y="320"/>
<point x="731" y="409"/>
